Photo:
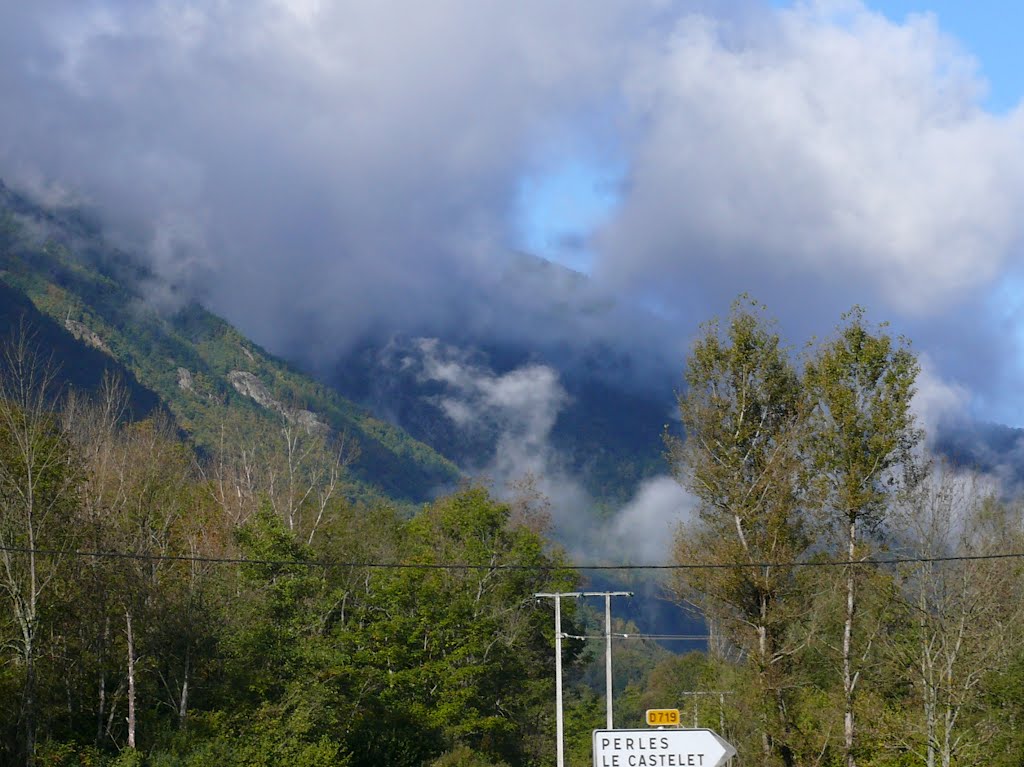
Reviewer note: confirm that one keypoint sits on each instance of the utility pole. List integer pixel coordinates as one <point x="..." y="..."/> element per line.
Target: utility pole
<point x="559" y="745"/>
<point x="559" y="730"/>
<point x="608" y="649"/>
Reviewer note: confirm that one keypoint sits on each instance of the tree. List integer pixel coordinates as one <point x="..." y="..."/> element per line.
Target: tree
<point x="860" y="447"/>
<point x="464" y="653"/>
<point x="743" y="410"/>
<point x="289" y="692"/>
<point x="139" y="498"/>
<point x="39" y="482"/>
<point x="302" y="476"/>
<point x="960" y="616"/>
<point x="93" y="425"/>
<point x="157" y="472"/>
<point x="304" y="485"/>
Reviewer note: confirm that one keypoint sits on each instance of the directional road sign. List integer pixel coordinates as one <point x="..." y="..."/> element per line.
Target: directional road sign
<point x="660" y="748"/>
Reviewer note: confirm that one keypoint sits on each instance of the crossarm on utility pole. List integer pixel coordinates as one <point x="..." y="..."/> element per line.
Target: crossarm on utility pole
<point x="557" y="597"/>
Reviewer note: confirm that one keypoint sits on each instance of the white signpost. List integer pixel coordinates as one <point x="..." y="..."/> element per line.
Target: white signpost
<point x="660" y="748"/>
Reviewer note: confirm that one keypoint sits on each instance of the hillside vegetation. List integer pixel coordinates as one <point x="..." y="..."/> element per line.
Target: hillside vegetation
<point x="219" y="386"/>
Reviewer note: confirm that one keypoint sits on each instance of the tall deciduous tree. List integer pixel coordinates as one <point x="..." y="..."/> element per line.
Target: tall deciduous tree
<point x="961" y="616"/>
<point x="94" y="426"/>
<point x="138" y="498"/>
<point x="156" y="473"/>
<point x="861" y="449"/>
<point x="743" y="409"/>
<point x="39" y="481"/>
<point x="302" y="476"/>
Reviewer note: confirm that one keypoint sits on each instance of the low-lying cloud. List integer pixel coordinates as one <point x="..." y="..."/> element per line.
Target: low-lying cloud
<point x="518" y="410"/>
<point x="647" y="525"/>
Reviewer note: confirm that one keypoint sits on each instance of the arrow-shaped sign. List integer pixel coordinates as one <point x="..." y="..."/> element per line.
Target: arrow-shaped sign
<point x="660" y="748"/>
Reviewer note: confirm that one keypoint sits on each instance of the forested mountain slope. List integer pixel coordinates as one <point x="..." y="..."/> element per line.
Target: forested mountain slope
<point x="216" y="383"/>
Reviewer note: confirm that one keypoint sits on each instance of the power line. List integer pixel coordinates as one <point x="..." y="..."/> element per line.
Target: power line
<point x="631" y="635"/>
<point x="332" y="563"/>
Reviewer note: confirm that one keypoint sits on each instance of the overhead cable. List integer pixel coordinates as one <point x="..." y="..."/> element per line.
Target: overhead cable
<point x="333" y="563"/>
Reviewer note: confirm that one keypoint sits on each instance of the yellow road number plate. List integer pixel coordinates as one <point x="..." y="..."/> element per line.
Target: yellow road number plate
<point x="658" y="717"/>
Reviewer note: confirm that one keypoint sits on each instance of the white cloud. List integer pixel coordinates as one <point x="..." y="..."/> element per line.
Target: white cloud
<point x="646" y="526"/>
<point x="347" y="163"/>
<point x="937" y="402"/>
<point x="825" y="148"/>
<point x="517" y="408"/>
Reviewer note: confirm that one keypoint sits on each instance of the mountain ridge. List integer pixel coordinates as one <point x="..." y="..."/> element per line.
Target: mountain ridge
<point x="90" y="290"/>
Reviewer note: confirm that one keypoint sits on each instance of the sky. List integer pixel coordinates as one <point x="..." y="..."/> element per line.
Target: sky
<point x="319" y="170"/>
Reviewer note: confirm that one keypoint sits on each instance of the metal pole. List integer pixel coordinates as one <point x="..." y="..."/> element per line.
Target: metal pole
<point x="558" y="680"/>
<point x="559" y="732"/>
<point x="608" y="656"/>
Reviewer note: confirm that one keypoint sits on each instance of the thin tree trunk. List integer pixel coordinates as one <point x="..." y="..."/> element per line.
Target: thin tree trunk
<point x="30" y="714"/>
<point x="183" y="701"/>
<point x="928" y="677"/>
<point x="113" y="709"/>
<point x="30" y="636"/>
<point x="131" y="678"/>
<point x="762" y="650"/>
<point x="766" y="743"/>
<point x="102" y="706"/>
<point x="848" y="679"/>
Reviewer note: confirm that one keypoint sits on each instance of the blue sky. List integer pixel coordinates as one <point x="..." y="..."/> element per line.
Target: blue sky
<point x="560" y="208"/>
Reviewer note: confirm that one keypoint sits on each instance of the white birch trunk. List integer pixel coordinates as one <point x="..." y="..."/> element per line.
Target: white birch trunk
<point x="848" y="678"/>
<point x="131" y="678"/>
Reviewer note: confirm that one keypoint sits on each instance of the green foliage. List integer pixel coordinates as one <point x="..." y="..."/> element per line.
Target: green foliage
<point x="1004" y="691"/>
<point x="129" y="757"/>
<point x="664" y="687"/>
<point x="862" y="384"/>
<point x="59" y="754"/>
<point x="584" y="713"/>
<point x="463" y="756"/>
<point x="464" y="650"/>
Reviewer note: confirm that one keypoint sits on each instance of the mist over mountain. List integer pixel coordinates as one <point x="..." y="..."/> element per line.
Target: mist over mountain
<point x="614" y="366"/>
<point x="577" y="396"/>
<point x="324" y="174"/>
<point x="87" y="310"/>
